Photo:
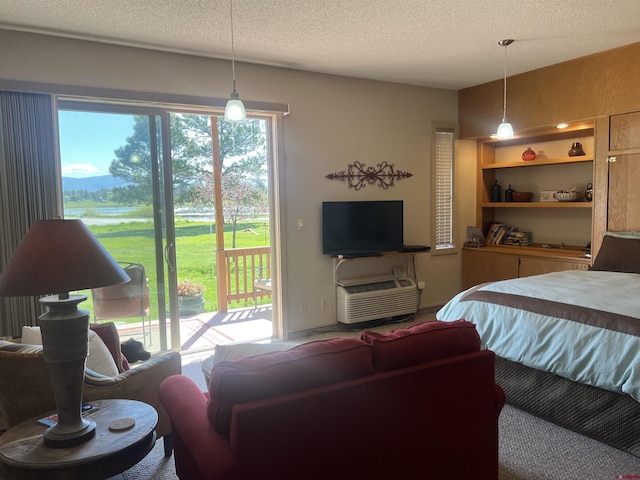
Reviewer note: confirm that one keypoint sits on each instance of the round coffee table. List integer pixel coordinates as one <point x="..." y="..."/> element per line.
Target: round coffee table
<point x="23" y="454"/>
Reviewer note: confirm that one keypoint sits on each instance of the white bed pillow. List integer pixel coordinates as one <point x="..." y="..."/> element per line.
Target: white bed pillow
<point x="99" y="358"/>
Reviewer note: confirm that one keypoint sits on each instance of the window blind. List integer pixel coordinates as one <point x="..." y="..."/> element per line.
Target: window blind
<point x="444" y="148"/>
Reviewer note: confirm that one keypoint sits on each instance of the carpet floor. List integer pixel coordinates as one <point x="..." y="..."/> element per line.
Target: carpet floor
<point x="530" y="449"/>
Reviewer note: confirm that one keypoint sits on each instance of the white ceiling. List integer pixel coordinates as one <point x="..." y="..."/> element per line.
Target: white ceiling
<point x="438" y="43"/>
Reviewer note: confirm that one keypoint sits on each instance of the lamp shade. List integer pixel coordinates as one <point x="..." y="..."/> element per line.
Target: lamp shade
<point x="505" y="130"/>
<point x="57" y="256"/>
<point x="234" y="111"/>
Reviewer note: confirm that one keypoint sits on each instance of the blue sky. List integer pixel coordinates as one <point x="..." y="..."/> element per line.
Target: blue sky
<point x="88" y="140"/>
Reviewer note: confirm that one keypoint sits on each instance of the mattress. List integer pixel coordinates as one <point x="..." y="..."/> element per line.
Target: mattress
<point x="580" y="325"/>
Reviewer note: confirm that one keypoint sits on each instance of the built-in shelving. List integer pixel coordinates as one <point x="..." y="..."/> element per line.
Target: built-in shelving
<point x="500" y="161"/>
<point x="536" y="204"/>
<point x="538" y="162"/>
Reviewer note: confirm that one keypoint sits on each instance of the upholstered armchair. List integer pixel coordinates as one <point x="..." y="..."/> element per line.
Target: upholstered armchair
<point x="25" y="386"/>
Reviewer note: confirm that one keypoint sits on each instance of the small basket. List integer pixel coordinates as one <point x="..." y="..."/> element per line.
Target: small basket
<point x="566" y="196"/>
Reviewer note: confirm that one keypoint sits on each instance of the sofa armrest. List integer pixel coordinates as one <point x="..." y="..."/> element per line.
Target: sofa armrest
<point x="196" y="444"/>
<point x="140" y="383"/>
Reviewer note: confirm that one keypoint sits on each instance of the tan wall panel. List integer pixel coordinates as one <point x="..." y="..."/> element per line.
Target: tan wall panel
<point x="583" y="88"/>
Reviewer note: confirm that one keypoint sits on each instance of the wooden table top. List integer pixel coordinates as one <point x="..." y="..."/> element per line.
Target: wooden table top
<point x="23" y="454"/>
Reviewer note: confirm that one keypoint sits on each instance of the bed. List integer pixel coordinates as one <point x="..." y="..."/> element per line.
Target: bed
<point x="568" y="343"/>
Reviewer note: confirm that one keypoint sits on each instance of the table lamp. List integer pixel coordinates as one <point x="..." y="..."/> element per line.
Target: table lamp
<point x="56" y="257"/>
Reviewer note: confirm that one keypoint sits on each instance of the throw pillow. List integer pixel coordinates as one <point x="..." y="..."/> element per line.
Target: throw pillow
<point x="31" y="335"/>
<point x="421" y="343"/>
<point x="618" y="254"/>
<point x="109" y="335"/>
<point x="99" y="358"/>
<point x="310" y="365"/>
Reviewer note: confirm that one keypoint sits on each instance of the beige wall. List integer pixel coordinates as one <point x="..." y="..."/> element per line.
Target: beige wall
<point x="334" y="121"/>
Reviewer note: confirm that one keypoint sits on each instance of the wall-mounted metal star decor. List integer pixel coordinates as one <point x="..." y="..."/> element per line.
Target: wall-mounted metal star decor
<point x="359" y="176"/>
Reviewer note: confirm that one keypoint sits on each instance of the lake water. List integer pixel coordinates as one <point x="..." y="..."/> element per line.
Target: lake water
<point x="113" y="215"/>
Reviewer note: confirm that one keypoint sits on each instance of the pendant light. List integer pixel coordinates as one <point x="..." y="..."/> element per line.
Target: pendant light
<point x="234" y="111"/>
<point x="505" y="130"/>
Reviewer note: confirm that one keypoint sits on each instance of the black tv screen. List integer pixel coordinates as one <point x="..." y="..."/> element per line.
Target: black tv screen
<point x="362" y="228"/>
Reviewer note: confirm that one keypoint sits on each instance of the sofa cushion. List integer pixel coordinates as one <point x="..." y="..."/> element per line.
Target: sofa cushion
<point x="306" y="366"/>
<point x="19" y="347"/>
<point x="421" y="343"/>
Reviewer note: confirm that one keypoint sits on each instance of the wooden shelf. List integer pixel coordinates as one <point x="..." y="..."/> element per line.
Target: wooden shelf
<point x="535" y="163"/>
<point x="536" y="204"/>
<point x="537" y="250"/>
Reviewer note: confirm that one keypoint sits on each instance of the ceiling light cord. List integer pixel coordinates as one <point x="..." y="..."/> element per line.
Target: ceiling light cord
<point x="234" y="111"/>
<point x="504" y="110"/>
<point x="505" y="130"/>
<point x="233" y="56"/>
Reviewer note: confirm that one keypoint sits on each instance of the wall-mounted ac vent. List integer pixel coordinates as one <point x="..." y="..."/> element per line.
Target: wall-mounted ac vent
<point x="360" y="302"/>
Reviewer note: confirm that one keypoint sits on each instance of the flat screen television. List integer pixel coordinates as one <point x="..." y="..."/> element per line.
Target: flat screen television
<point x="362" y="228"/>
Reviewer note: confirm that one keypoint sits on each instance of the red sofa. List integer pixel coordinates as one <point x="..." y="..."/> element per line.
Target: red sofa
<point x="415" y="403"/>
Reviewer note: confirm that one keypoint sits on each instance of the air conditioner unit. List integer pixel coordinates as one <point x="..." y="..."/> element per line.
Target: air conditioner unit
<point x="360" y="300"/>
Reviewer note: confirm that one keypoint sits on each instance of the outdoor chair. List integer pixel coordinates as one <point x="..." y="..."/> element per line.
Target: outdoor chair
<point x="127" y="300"/>
<point x="262" y="282"/>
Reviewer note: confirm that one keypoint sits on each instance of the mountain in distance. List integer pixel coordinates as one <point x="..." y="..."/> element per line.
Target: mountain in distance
<point x="92" y="184"/>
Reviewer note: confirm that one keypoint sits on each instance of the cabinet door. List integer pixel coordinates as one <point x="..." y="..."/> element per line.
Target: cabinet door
<point x="624" y="131"/>
<point x="480" y="266"/>
<point x="537" y="266"/>
<point x="623" y="201"/>
<point x="623" y="205"/>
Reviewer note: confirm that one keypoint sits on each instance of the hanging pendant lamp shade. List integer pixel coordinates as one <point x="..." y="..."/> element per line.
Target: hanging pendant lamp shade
<point x="505" y="130"/>
<point x="234" y="111"/>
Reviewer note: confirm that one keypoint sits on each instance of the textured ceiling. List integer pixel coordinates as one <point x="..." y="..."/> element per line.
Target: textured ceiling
<point x="439" y="43"/>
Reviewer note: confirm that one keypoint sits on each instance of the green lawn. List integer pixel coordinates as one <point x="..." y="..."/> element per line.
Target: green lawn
<point x="195" y="251"/>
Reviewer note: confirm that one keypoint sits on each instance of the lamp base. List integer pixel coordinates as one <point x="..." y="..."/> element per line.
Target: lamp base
<point x="65" y="335"/>
<point x="66" y="440"/>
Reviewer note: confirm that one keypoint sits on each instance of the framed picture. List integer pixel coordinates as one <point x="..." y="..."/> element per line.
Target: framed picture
<point x="547" y="196"/>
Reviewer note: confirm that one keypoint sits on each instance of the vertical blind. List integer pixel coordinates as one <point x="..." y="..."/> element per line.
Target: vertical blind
<point x="444" y="143"/>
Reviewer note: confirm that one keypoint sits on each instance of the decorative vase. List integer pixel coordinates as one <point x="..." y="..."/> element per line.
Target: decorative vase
<point x="588" y="193"/>
<point x="576" y="150"/>
<point x="192" y="305"/>
<point x="508" y="194"/>
<point x="528" y="155"/>
<point x="495" y="192"/>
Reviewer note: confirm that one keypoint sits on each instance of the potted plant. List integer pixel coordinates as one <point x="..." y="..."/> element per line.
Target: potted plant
<point x="191" y="300"/>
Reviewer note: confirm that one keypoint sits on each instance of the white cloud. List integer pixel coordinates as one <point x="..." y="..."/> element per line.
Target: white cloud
<point x="80" y="170"/>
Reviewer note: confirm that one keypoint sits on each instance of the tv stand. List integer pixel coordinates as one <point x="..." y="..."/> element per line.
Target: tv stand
<point x="350" y="256"/>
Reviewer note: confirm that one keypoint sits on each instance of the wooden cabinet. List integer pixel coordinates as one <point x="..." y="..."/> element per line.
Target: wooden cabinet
<point x="491" y="264"/>
<point x="617" y="170"/>
<point x="480" y="265"/>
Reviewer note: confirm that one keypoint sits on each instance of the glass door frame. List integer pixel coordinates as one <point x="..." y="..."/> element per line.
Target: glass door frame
<point x="167" y="257"/>
<point x="163" y="222"/>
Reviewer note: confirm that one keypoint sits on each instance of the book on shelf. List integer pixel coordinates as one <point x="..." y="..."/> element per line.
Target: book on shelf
<point x="518" y="238"/>
<point x="502" y="234"/>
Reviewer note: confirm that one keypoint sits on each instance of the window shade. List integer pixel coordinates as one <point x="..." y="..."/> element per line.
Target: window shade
<point x="444" y="144"/>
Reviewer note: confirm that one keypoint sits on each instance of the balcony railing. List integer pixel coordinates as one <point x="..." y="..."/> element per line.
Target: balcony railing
<point x="241" y="268"/>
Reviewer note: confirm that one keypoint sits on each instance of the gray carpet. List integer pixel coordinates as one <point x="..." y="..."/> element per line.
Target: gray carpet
<point x="530" y="449"/>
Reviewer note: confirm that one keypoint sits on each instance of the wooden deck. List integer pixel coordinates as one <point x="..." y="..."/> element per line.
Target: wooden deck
<point x="202" y="332"/>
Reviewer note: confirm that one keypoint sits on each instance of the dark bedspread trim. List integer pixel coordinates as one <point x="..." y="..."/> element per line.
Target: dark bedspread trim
<point x="574" y="313"/>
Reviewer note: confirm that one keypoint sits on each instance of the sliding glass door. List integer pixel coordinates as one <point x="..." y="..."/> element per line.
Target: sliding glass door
<point x="115" y="180"/>
<point x="186" y="197"/>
